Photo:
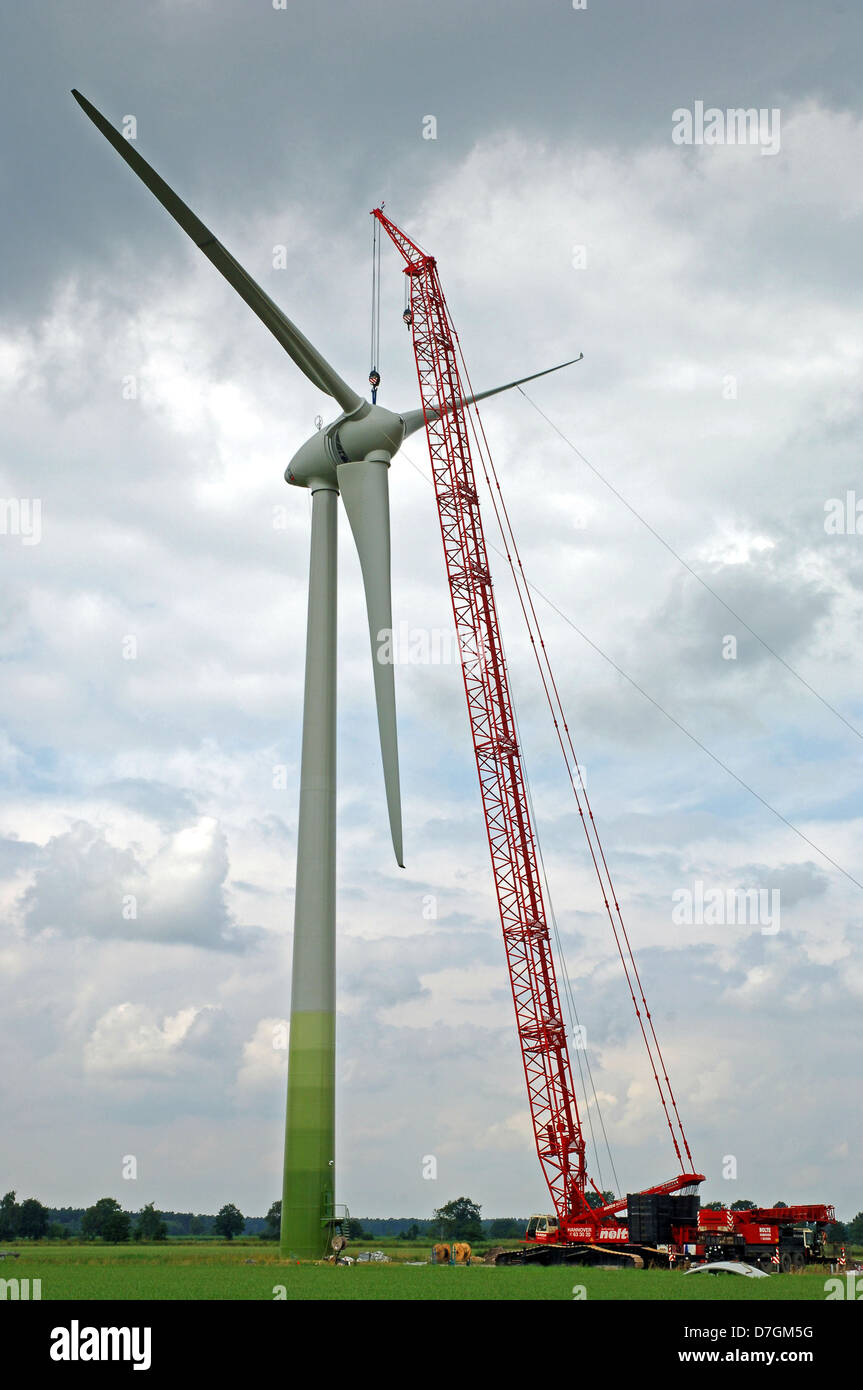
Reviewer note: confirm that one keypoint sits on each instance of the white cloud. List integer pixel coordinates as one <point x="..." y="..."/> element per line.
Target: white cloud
<point x="264" y="1063"/>
<point x="131" y="1040"/>
<point x="86" y="886"/>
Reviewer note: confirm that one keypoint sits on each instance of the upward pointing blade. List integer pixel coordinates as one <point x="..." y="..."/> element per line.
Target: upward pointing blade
<point x="365" y="492"/>
<point x="307" y="357"/>
<point x="415" y="419"/>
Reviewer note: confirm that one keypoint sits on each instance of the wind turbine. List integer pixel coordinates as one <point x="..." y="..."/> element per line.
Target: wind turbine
<point x="350" y="458"/>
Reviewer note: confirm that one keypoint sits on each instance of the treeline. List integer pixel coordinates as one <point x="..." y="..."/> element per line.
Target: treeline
<point x="178" y="1223"/>
<point x="410" y="1228"/>
<point x="106" y="1220"/>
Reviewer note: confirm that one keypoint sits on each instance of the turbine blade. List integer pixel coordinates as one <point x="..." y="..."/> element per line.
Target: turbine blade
<point x="297" y="346"/>
<point x="415" y="419"/>
<point x="365" y="492"/>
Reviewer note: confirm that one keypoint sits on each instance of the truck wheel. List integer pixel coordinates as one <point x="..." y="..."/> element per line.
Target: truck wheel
<point x="785" y="1262"/>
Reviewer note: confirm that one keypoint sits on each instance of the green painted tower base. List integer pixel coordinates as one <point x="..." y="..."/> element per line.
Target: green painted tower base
<point x="309" y="1179"/>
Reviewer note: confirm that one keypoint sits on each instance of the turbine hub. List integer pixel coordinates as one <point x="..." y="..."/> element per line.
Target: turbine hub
<point x="349" y="439"/>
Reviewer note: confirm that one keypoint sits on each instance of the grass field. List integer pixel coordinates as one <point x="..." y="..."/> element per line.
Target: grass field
<point x="214" y="1271"/>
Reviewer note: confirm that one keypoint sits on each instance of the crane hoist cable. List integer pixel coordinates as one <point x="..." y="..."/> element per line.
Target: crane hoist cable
<point x="407" y="314"/>
<point x="375" y="350"/>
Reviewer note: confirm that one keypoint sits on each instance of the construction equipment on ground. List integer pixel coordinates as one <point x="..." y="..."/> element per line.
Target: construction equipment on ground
<point x="456" y="1252"/>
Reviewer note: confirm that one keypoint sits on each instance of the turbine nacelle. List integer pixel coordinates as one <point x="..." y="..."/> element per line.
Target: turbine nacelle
<point x="369" y="431"/>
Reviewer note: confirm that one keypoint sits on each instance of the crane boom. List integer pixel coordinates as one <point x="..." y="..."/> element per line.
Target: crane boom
<point x="541" y="1032"/>
<point x="557" y="1128"/>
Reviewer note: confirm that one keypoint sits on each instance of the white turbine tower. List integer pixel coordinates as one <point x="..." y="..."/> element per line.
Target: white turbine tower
<point x="350" y="458"/>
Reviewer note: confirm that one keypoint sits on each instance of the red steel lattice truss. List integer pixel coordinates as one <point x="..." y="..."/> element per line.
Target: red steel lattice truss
<point x="539" y="1019"/>
<point x="542" y="1036"/>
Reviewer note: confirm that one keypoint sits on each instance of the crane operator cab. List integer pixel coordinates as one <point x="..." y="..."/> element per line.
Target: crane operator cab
<point x="543" y="1229"/>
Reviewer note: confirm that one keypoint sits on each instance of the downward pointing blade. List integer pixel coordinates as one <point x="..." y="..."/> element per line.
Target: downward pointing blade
<point x="365" y="492"/>
<point x="307" y="357"/>
<point x="415" y="419"/>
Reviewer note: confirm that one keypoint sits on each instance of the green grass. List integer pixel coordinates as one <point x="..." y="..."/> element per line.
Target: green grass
<point x="212" y="1272"/>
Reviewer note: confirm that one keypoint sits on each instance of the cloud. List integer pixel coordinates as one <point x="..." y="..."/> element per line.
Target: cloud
<point x="264" y="1063"/>
<point x="85" y="886"/>
<point x="130" y="1041"/>
<point x="168" y="806"/>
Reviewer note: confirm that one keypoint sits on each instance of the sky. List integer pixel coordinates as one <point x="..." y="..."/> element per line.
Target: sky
<point x="685" y="505"/>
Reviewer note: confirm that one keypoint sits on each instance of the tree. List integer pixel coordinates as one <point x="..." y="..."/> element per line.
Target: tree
<point x="599" y="1199"/>
<point x="743" y="1204"/>
<point x="106" y="1220"/>
<point x="506" y="1228"/>
<point x="837" y="1233"/>
<point x="116" y="1227"/>
<point x="855" y="1229"/>
<point x="780" y="1204"/>
<point x="411" y="1232"/>
<point x="230" y="1222"/>
<point x="459" y="1220"/>
<point x="10" y="1217"/>
<point x="714" y="1206"/>
<point x="273" y="1227"/>
<point x="33" y="1222"/>
<point x="196" y="1226"/>
<point x="150" y="1224"/>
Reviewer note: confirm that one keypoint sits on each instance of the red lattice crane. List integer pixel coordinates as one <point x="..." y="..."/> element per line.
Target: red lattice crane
<point x="515" y="862"/>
